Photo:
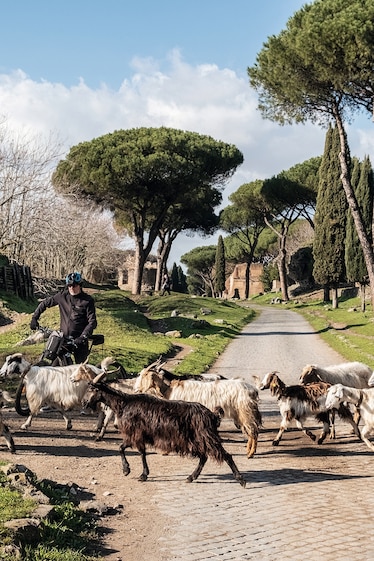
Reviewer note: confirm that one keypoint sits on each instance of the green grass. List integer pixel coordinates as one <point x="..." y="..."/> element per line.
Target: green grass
<point x="128" y="335"/>
<point x="68" y="535"/>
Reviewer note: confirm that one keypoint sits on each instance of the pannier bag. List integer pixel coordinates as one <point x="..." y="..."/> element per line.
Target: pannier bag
<point x="53" y="345"/>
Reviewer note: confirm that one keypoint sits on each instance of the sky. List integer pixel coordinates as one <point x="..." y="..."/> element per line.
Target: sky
<point x="78" y="69"/>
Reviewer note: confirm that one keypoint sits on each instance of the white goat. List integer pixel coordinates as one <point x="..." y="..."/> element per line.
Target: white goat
<point x="47" y="385"/>
<point x="299" y="402"/>
<point x="105" y="415"/>
<point x="238" y="399"/>
<point x="363" y="399"/>
<point x="353" y="374"/>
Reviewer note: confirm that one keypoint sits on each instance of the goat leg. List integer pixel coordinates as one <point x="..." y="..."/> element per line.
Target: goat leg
<point x="230" y="462"/>
<point x="8" y="437"/>
<point x="195" y="474"/>
<point x="251" y="446"/>
<point x="332" y="424"/>
<point x="144" y="475"/>
<point x="346" y="415"/>
<point x="27" y="423"/>
<point x="282" y="428"/>
<point x="366" y="430"/>
<point x="125" y="464"/>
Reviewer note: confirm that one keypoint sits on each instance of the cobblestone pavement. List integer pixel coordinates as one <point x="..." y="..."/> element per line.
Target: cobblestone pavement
<point x="302" y="501"/>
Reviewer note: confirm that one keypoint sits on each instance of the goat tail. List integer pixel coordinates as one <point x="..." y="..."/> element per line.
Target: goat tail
<point x="24" y="412"/>
<point x="250" y="420"/>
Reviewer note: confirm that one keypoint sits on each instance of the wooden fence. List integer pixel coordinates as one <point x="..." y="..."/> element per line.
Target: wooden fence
<point x="17" y="279"/>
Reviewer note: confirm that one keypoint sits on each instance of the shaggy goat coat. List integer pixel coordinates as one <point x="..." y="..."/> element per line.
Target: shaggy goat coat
<point x="188" y="429"/>
<point x="238" y="399"/>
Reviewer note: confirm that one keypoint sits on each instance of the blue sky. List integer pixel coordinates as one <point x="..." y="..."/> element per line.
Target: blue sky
<point x="83" y="68"/>
<point x="63" y="41"/>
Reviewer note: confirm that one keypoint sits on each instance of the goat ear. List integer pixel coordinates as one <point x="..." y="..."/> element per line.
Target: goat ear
<point x="99" y="377"/>
<point x="256" y="381"/>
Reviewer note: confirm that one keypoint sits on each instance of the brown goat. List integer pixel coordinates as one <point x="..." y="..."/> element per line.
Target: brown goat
<point x="299" y="402"/>
<point x="187" y="429"/>
<point x="238" y="398"/>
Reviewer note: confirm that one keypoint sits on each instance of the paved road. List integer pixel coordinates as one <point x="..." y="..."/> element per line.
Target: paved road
<point x="302" y="501"/>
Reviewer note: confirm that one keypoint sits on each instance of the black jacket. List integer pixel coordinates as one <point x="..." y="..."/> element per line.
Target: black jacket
<point x="77" y="313"/>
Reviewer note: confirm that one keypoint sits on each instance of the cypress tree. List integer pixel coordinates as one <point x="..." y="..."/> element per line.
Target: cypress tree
<point x="182" y="280"/>
<point x="220" y="268"/>
<point x="330" y="220"/>
<point x="363" y="183"/>
<point x="174" y="278"/>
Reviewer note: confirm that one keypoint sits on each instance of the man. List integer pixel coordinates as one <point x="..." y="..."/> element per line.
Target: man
<point x="166" y="284"/>
<point x="77" y="314"/>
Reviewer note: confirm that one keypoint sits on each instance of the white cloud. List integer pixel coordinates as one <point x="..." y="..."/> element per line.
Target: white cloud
<point x="205" y="99"/>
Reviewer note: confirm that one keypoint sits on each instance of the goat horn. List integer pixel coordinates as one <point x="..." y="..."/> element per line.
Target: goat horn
<point x="154" y="364"/>
<point x="99" y="377"/>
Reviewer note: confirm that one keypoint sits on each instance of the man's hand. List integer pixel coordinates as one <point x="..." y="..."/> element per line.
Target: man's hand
<point x="79" y="340"/>
<point x="34" y="324"/>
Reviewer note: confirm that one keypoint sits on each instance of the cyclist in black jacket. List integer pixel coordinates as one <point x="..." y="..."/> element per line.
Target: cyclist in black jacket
<point x="77" y="314"/>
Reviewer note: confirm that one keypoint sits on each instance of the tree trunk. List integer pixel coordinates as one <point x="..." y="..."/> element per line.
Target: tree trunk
<point x="247" y="280"/>
<point x="282" y="268"/>
<point x="335" y="299"/>
<point x="363" y="297"/>
<point x="326" y="293"/>
<point x="367" y="248"/>
<point x="139" y="261"/>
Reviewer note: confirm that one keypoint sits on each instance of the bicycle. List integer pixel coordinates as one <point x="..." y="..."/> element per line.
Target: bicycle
<point x="58" y="351"/>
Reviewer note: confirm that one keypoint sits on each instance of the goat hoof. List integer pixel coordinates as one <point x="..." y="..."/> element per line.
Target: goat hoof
<point x="142" y="477"/>
<point x="189" y="479"/>
<point x="275" y="442"/>
<point x="242" y="482"/>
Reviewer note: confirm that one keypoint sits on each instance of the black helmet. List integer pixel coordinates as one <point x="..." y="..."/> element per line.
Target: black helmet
<point x="73" y="278"/>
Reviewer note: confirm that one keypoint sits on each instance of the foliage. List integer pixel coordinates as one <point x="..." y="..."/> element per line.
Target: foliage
<point x="143" y="174"/>
<point x="269" y="274"/>
<point x="200" y="263"/>
<point x="320" y="69"/>
<point x="322" y="61"/>
<point x="363" y="184"/>
<point x="244" y="220"/>
<point x="178" y="279"/>
<point x="330" y="217"/>
<point x="300" y="268"/>
<point x="220" y="268"/>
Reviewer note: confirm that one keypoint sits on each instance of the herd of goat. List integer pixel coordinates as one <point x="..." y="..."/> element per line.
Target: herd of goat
<point x="182" y="414"/>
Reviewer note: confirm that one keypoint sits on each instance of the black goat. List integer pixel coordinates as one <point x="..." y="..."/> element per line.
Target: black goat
<point x="185" y="428"/>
